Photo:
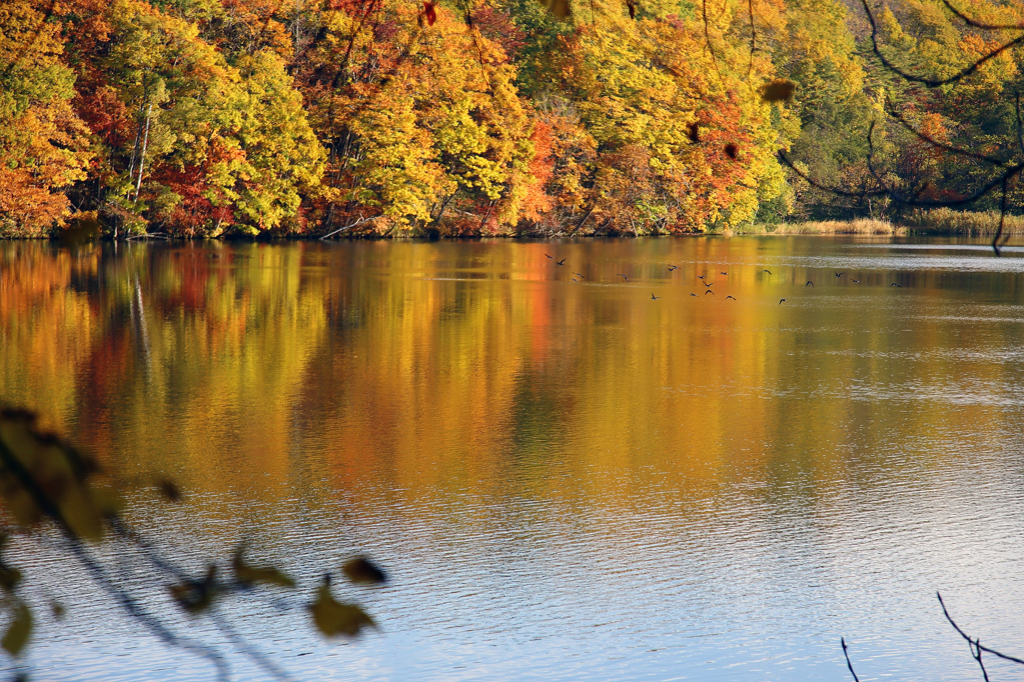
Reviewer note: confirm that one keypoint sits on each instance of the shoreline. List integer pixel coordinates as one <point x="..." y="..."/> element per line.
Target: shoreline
<point x="947" y="224"/>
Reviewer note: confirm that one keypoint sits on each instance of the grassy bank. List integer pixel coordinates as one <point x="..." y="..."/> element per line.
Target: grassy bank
<point x="865" y="226"/>
<point x="962" y="223"/>
<point x="938" y="221"/>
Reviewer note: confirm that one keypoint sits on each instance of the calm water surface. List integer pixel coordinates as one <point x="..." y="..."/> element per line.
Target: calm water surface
<point x="566" y="480"/>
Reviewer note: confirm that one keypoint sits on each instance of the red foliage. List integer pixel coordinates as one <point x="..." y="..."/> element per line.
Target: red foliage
<point x="105" y="114"/>
<point x="497" y="26"/>
<point x="195" y="213"/>
<point x="537" y="202"/>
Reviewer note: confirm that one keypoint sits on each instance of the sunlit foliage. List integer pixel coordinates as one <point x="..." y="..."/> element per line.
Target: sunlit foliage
<point x="385" y="117"/>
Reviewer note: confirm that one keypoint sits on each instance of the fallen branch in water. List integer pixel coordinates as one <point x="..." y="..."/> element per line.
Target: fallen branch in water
<point x="348" y="227"/>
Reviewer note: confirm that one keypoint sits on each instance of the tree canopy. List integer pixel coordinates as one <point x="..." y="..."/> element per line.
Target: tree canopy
<point x="499" y="117"/>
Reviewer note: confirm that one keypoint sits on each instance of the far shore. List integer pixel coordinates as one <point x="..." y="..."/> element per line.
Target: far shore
<point x="935" y="223"/>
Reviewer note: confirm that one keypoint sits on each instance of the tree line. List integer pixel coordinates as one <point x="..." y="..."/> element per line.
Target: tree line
<point x="196" y="118"/>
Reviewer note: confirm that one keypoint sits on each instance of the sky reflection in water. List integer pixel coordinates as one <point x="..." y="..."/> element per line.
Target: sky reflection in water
<point x="566" y="480"/>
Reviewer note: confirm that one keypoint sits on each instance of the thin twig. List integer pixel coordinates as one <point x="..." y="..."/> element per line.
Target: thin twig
<point x="834" y="190"/>
<point x="96" y="571"/>
<point x="1020" y="121"/>
<point x="848" y="663"/>
<point x="940" y="145"/>
<point x="932" y="82"/>
<point x="975" y="643"/>
<point x="753" y="38"/>
<point x="977" y="24"/>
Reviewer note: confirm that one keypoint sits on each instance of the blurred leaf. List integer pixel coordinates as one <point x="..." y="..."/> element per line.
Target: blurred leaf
<point x="248" y="575"/>
<point x="362" y="570"/>
<point x="42" y="476"/>
<point x="18" y="631"/>
<point x="196" y="596"/>
<point x="778" y="91"/>
<point x="560" y="8"/>
<point x="80" y="231"/>
<point x="9" y="576"/>
<point x="169" y="489"/>
<point x="429" y="13"/>
<point x="333" y="618"/>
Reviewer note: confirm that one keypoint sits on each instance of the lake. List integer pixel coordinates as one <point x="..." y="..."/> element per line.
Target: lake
<point x="566" y="480"/>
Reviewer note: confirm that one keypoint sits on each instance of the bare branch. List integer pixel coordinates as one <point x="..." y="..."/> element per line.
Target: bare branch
<point x="834" y="190"/>
<point x="932" y="82"/>
<point x="1020" y="122"/>
<point x="348" y="227"/>
<point x="974" y="643"/>
<point x="940" y="145"/>
<point x="753" y="38"/>
<point x="98" y="573"/>
<point x="707" y="34"/>
<point x="848" y="664"/>
<point x="977" y="24"/>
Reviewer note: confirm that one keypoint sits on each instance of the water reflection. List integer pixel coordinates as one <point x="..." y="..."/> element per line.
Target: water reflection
<point x="567" y="480"/>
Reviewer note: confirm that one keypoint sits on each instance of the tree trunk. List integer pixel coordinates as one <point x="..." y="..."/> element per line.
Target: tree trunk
<point x="142" y="158"/>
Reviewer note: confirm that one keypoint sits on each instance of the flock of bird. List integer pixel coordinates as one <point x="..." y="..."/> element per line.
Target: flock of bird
<point x="707" y="285"/>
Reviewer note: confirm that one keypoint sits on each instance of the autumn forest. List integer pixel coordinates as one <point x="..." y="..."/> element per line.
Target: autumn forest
<point x="206" y="118"/>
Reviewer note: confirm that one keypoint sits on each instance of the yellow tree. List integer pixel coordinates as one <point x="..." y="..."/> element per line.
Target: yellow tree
<point x="42" y="141"/>
<point x="425" y="127"/>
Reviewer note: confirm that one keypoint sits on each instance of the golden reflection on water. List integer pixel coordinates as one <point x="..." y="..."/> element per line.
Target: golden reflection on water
<point x="414" y="370"/>
<point x="689" y="484"/>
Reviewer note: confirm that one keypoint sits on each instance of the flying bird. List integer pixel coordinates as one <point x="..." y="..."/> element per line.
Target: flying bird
<point x="809" y="284"/>
<point x="855" y="281"/>
<point x="894" y="284"/>
<point x="672" y="267"/>
<point x="560" y="262"/>
<point x="728" y="297"/>
<point x="653" y="297"/>
<point x="840" y="274"/>
<point x="781" y="301"/>
<point x="708" y="284"/>
<point x="575" y="280"/>
<point x="623" y="276"/>
<point x="701" y="276"/>
<point x="723" y="273"/>
<point x="693" y="294"/>
<point x="709" y="292"/>
<point x="549" y="256"/>
<point x="579" y="274"/>
<point x="768" y="271"/>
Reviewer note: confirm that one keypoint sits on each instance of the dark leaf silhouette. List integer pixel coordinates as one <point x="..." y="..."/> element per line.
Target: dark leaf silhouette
<point x="18" y="631"/>
<point x="169" y="490"/>
<point x="333" y="618"/>
<point x="80" y="231"/>
<point x="693" y="132"/>
<point x="248" y="575"/>
<point x="362" y="570"/>
<point x="9" y="576"/>
<point x="560" y="8"/>
<point x="778" y="91"/>
<point x="732" y="151"/>
<point x="195" y="596"/>
<point x="41" y="476"/>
